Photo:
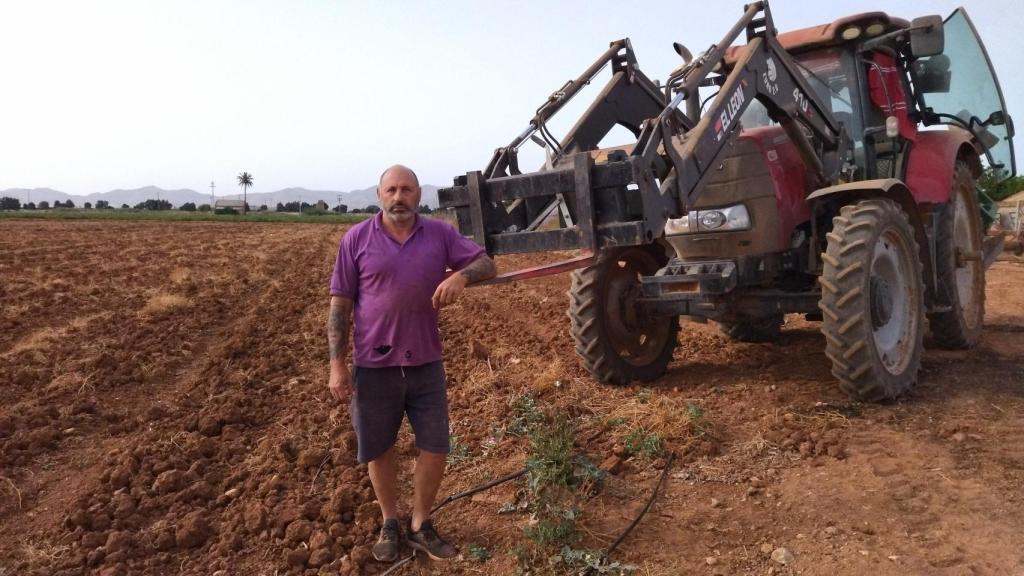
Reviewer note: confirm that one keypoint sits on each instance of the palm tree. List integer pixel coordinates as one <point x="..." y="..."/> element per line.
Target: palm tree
<point x="245" y="181"/>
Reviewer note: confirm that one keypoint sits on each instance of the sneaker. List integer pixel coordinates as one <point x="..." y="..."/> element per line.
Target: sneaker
<point x="386" y="548"/>
<point x="428" y="541"/>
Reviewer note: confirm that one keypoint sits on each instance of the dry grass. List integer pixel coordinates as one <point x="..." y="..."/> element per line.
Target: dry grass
<point x="13" y="488"/>
<point x="37" y="340"/>
<point x="179" y="275"/>
<point x="819" y="420"/>
<point x="72" y="380"/>
<point x="43" y="553"/>
<point x="42" y="339"/>
<point x="668" y="417"/>
<point x="161" y="304"/>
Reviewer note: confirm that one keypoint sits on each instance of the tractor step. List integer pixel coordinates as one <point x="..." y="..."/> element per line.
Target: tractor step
<point x="709" y="277"/>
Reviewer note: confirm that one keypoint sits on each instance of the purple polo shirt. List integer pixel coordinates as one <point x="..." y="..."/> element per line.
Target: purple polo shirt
<point x="391" y="285"/>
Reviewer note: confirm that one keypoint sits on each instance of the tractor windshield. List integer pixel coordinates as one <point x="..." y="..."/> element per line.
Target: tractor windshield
<point x="827" y="76"/>
<point x="961" y="84"/>
<point x="828" y="73"/>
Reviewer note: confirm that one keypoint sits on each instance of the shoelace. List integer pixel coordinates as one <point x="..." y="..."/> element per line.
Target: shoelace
<point x="429" y="534"/>
<point x="390" y="533"/>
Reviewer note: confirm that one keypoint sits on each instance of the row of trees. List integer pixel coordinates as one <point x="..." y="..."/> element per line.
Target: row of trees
<point x="8" y="203"/>
<point x="998" y="186"/>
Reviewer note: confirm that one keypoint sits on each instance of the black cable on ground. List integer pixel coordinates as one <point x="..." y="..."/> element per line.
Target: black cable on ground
<point x="517" y="474"/>
<point x="650" y="501"/>
<point x="398" y="564"/>
<point x="480" y="488"/>
<point x="452" y="498"/>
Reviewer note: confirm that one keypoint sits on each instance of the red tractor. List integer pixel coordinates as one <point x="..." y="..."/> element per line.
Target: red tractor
<point x="832" y="174"/>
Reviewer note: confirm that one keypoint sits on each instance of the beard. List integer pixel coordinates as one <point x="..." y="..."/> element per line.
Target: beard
<point x="400" y="212"/>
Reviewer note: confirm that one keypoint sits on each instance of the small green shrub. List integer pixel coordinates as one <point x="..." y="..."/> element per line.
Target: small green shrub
<point x="457" y="451"/>
<point x="525" y="415"/>
<point x="642" y="444"/>
<point x="699" y="424"/>
<point x="479" y="553"/>
<point x="593" y="562"/>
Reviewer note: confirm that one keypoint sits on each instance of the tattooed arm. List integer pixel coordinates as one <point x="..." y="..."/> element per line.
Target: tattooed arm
<point x="339" y="318"/>
<point x="478" y="270"/>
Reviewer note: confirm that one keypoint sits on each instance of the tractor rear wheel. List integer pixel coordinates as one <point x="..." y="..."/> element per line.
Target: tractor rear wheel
<point x="616" y="344"/>
<point x="765" y="329"/>
<point x="872" y="300"/>
<point x="959" y="266"/>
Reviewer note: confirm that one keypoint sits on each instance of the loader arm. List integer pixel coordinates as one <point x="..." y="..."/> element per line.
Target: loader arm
<point x="626" y="197"/>
<point x="764" y="71"/>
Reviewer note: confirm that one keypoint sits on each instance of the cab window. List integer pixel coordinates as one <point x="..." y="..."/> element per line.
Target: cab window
<point x="961" y="86"/>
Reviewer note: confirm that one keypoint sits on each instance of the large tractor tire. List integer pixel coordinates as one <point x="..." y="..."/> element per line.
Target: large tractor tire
<point x="766" y="329"/>
<point x="872" y="300"/>
<point x="958" y="265"/>
<point x="616" y="345"/>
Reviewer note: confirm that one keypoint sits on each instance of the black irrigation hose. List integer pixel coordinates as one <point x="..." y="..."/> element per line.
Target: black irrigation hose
<point x="517" y="474"/>
<point x="650" y="501"/>
<point x="398" y="564"/>
<point x="480" y="488"/>
<point x="452" y="498"/>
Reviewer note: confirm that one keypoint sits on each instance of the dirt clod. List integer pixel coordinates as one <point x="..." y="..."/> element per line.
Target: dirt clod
<point x="782" y="556"/>
<point x="193" y="530"/>
<point x="169" y="481"/>
<point x="297" y="557"/>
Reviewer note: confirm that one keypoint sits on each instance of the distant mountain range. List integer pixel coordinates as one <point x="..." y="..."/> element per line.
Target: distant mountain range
<point x="353" y="199"/>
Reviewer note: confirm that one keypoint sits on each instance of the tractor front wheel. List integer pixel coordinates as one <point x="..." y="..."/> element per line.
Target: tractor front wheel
<point x="618" y="345"/>
<point x="872" y="300"/>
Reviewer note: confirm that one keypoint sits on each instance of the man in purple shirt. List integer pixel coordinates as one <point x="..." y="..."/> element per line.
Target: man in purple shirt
<point x="390" y="272"/>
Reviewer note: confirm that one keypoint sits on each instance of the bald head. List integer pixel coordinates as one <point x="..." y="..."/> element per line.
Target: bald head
<point x="399" y="169"/>
<point x="399" y="194"/>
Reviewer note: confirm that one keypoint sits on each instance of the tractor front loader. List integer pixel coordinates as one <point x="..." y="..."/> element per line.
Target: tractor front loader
<point x="809" y="184"/>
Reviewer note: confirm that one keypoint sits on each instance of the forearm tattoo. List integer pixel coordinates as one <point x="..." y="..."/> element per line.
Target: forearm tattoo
<point x="338" y="320"/>
<point x="480" y="269"/>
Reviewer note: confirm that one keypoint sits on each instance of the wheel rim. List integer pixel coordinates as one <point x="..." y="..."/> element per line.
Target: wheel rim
<point x="893" y="297"/>
<point x="638" y="341"/>
<point x="967" y="239"/>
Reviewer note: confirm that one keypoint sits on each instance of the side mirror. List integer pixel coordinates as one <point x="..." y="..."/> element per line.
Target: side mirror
<point x="996" y="118"/>
<point x="1000" y="118"/>
<point x="926" y="37"/>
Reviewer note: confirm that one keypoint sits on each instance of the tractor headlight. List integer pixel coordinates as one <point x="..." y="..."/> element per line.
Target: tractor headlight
<point x="710" y="220"/>
<point x="851" y="33"/>
<point x="726" y="219"/>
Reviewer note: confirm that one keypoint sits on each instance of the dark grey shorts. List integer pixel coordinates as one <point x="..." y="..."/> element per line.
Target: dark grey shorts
<point x="383" y="396"/>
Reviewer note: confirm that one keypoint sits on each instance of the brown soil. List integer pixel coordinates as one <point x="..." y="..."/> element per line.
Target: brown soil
<point x="165" y="411"/>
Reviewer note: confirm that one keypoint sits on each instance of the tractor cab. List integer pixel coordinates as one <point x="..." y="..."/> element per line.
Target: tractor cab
<point x="948" y="82"/>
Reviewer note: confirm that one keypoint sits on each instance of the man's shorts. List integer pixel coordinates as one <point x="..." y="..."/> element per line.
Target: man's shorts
<point x="383" y="396"/>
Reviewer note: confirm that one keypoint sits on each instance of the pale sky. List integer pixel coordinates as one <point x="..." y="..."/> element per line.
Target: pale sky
<point x="104" y="94"/>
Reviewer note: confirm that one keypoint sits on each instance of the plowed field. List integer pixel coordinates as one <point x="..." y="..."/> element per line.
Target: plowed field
<point x="165" y="411"/>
